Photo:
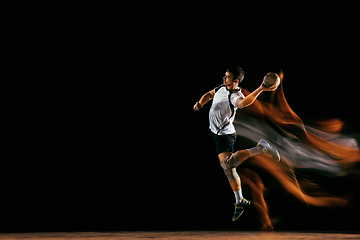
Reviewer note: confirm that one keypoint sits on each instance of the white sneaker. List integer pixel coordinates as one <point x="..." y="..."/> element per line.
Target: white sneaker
<point x="269" y="151"/>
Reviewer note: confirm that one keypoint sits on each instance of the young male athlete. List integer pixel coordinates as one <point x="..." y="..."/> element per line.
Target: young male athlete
<point x="227" y="98"/>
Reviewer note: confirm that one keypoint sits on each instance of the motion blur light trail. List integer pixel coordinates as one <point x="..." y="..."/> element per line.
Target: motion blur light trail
<point x="305" y="151"/>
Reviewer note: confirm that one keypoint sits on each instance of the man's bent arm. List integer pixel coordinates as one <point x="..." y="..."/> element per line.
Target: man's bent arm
<point x="207" y="97"/>
<point x="250" y="99"/>
<point x="204" y="99"/>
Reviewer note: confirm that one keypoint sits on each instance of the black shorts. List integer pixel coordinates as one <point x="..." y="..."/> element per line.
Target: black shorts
<point x="224" y="143"/>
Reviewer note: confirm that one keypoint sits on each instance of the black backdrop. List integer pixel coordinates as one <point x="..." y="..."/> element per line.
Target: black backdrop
<point x="98" y="130"/>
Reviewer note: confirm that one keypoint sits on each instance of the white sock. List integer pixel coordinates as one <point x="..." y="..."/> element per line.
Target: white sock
<point x="238" y="196"/>
<point x="255" y="150"/>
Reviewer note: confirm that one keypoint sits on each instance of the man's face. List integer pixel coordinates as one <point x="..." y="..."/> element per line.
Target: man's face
<point x="229" y="79"/>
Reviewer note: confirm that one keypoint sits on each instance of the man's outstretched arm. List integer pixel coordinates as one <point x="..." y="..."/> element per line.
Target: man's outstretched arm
<point x="204" y="99"/>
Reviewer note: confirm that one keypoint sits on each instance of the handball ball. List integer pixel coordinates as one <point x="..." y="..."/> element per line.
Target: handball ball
<point x="271" y="79"/>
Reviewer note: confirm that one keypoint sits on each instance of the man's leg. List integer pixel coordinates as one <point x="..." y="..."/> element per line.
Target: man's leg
<point x="232" y="160"/>
<point x="229" y="161"/>
<point x="234" y="179"/>
<point x="231" y="174"/>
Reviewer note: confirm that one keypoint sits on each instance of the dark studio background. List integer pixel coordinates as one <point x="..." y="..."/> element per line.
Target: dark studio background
<point x="98" y="131"/>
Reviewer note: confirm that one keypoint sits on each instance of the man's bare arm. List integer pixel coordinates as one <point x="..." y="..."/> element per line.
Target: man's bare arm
<point x="204" y="99"/>
<point x="250" y="99"/>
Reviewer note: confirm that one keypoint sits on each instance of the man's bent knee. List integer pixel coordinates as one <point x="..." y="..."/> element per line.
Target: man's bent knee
<point x="231" y="161"/>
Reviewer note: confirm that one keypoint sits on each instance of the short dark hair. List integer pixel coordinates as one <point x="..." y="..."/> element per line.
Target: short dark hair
<point x="237" y="72"/>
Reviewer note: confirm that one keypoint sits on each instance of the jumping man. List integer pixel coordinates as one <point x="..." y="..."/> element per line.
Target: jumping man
<point x="227" y="98"/>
